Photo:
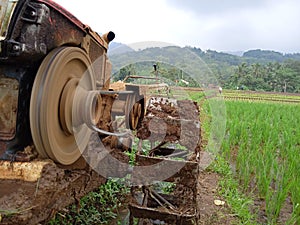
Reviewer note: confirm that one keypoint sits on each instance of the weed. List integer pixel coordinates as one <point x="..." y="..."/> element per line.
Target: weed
<point x="98" y="207"/>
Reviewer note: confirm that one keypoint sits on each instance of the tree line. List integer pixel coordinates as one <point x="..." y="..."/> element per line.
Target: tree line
<point x="257" y="70"/>
<point x="273" y="76"/>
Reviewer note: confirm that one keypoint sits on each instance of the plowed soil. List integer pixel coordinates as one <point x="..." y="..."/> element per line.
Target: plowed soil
<point x="31" y="202"/>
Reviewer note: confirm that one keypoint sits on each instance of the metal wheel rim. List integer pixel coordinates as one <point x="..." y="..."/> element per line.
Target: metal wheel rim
<point x="60" y="66"/>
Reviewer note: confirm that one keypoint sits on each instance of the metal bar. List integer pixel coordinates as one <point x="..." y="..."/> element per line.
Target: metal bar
<point x="94" y="128"/>
<point x="182" y="154"/>
<point x="142" y="77"/>
<point x="162" y="199"/>
<point x="115" y="92"/>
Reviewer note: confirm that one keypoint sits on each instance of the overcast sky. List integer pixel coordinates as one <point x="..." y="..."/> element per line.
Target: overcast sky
<point x="221" y="25"/>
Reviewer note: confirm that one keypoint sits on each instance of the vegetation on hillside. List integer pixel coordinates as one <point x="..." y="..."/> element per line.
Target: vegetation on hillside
<point x="256" y="70"/>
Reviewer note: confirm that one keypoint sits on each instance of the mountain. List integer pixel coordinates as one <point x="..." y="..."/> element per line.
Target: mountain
<point x="118" y="48"/>
<point x="255" y="70"/>
<point x="265" y="55"/>
<point x="237" y="53"/>
<point x="270" y="56"/>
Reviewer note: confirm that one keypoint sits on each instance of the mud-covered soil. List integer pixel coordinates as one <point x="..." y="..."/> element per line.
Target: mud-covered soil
<point x="30" y="202"/>
<point x="210" y="213"/>
<point x="169" y="120"/>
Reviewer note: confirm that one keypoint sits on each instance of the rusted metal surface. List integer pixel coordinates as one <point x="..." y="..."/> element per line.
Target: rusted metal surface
<point x="187" y="170"/>
<point x="33" y="39"/>
<point x="6" y="11"/>
<point x="9" y="89"/>
<point x="40" y="27"/>
<point x="74" y="20"/>
<point x="157" y="216"/>
<point x="179" y="119"/>
<point x="36" y="28"/>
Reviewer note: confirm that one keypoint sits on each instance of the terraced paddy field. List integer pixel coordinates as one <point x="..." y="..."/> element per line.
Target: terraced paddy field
<point x="262" y="96"/>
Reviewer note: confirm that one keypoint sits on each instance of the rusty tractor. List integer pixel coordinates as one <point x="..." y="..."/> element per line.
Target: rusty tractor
<point x="55" y="93"/>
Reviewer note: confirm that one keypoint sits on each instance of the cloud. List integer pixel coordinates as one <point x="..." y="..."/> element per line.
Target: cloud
<point x="241" y="25"/>
<point x="131" y="20"/>
<point x="215" y="6"/>
<point x="229" y="25"/>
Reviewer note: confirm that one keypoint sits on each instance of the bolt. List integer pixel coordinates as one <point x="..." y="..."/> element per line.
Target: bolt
<point x="32" y="13"/>
<point x="16" y="48"/>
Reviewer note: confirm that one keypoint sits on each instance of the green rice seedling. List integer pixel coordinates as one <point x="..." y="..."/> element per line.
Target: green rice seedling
<point x="264" y="176"/>
<point x="264" y="138"/>
<point x="262" y="144"/>
<point x="276" y="196"/>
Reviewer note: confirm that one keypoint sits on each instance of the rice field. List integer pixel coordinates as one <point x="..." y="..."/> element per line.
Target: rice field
<point x="261" y="96"/>
<point x="262" y="145"/>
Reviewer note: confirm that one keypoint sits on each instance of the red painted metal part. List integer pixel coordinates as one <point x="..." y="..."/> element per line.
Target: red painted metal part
<point x="75" y="21"/>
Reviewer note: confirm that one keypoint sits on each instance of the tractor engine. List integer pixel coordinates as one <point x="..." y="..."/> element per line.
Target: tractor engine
<point x="54" y="82"/>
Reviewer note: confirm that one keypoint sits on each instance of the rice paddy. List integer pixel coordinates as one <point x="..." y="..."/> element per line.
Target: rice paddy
<point x="262" y="146"/>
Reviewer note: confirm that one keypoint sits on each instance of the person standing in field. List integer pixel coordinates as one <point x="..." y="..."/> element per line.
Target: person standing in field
<point x="220" y="90"/>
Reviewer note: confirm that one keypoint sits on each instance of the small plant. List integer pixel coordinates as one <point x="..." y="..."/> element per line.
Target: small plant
<point x="98" y="207"/>
<point x="165" y="187"/>
<point x="229" y="189"/>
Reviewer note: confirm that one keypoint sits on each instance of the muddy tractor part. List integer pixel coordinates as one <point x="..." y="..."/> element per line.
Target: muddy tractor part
<point x="175" y="125"/>
<point x="54" y="83"/>
<point x="57" y="104"/>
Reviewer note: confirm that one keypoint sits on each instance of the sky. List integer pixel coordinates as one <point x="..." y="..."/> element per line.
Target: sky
<point x="220" y="25"/>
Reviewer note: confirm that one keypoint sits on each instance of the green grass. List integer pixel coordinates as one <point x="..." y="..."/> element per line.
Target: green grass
<point x="98" y="207"/>
<point x="263" y="140"/>
<point x="262" y="96"/>
<point x="213" y="120"/>
<point x="238" y="202"/>
<point x="259" y="157"/>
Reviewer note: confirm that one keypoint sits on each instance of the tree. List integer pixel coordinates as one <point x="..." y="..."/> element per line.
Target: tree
<point x="124" y="72"/>
<point x="286" y="79"/>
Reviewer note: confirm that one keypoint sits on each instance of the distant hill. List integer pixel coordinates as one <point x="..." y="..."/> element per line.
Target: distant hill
<point x="254" y="69"/>
<point x="118" y="48"/>
<point x="210" y="56"/>
<point x="237" y="53"/>
<point x="232" y="57"/>
<point x="267" y="55"/>
<point x="251" y="56"/>
<point x="219" y="61"/>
